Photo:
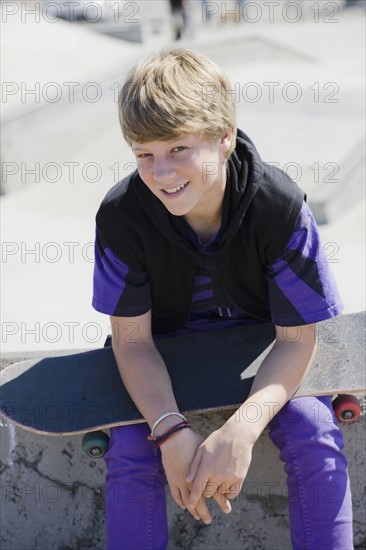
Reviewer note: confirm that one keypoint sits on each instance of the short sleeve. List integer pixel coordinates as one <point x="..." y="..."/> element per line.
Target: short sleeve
<point x="119" y="287"/>
<point x="301" y="285"/>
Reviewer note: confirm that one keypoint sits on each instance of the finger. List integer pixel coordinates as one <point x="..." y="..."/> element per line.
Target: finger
<point x="194" y="466"/>
<point x="200" y="511"/>
<point x="210" y="489"/>
<point x="233" y="491"/>
<point x="223" y="502"/>
<point x="176" y="494"/>
<point x="197" y="490"/>
<point x="204" y="512"/>
<point x="224" y="493"/>
<point x="185" y="495"/>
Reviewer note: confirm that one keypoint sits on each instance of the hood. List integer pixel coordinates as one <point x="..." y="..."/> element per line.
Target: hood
<point x="244" y="174"/>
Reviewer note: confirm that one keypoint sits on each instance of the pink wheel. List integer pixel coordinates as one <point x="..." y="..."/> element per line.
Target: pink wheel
<point x="347" y="408"/>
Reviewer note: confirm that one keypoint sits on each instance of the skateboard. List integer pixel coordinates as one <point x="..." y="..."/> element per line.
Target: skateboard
<point x="210" y="371"/>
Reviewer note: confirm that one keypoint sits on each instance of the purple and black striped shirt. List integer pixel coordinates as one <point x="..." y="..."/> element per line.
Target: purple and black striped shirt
<point x="301" y="286"/>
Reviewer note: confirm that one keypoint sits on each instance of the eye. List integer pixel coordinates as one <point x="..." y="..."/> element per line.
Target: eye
<point x="179" y="148"/>
<point x="143" y="155"/>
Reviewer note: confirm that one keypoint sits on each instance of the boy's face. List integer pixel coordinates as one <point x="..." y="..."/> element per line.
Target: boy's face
<point x="186" y="174"/>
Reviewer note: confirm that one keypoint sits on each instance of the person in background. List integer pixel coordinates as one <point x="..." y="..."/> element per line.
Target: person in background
<point x="177" y="10"/>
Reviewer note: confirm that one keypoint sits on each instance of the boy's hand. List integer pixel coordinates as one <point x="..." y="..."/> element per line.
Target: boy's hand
<point x="178" y="453"/>
<point x="219" y="468"/>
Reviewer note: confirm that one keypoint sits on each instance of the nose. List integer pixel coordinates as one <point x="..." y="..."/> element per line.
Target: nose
<point x="163" y="171"/>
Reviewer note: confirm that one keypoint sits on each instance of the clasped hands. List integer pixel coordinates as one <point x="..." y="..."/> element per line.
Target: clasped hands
<point x="198" y="469"/>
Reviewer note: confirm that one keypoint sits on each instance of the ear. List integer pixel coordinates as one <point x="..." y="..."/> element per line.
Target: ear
<point x="225" y="141"/>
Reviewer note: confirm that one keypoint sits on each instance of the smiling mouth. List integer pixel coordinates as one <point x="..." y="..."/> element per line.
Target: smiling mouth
<point x="174" y="190"/>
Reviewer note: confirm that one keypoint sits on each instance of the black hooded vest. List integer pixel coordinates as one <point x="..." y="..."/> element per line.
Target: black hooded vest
<point x="260" y="210"/>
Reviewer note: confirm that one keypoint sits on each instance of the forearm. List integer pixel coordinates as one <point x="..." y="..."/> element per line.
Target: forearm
<point x="146" y="378"/>
<point x="277" y="379"/>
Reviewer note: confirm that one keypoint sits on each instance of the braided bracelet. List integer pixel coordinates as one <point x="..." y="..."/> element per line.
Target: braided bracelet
<point x="159" y="440"/>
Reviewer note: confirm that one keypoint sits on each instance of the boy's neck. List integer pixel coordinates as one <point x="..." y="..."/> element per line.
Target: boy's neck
<point x="205" y="228"/>
<point x="206" y="234"/>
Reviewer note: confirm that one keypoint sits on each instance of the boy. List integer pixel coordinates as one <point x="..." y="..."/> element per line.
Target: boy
<point x="204" y="235"/>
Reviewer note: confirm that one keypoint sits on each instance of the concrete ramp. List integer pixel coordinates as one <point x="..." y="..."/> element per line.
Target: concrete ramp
<point x="60" y="88"/>
<point x="342" y="193"/>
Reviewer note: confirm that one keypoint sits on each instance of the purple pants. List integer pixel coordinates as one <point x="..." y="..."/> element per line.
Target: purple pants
<point x="310" y="445"/>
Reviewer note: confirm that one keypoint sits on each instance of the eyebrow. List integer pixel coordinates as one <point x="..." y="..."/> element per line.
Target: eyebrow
<point x="142" y="148"/>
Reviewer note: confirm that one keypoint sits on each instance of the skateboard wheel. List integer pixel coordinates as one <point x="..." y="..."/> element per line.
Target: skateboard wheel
<point x="347" y="408"/>
<point x="95" y="444"/>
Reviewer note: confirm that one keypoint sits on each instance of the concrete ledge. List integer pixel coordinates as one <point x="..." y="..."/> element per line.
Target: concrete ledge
<point x="52" y="496"/>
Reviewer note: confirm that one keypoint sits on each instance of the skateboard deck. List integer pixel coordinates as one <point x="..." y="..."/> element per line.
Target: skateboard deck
<point x="210" y="371"/>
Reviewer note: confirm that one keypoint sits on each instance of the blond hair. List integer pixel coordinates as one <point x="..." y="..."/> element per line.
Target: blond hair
<point x="174" y="93"/>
